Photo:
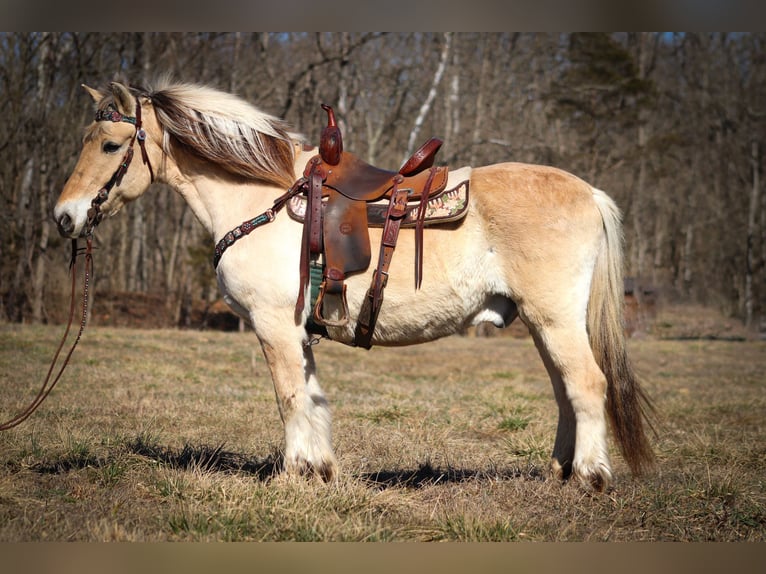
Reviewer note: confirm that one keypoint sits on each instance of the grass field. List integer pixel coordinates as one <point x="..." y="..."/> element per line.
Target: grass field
<point x="156" y="435"/>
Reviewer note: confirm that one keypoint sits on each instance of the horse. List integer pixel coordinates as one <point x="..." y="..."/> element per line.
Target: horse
<point x="537" y="243"/>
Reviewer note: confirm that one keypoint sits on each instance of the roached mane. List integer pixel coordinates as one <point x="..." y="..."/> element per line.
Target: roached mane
<point x="226" y="130"/>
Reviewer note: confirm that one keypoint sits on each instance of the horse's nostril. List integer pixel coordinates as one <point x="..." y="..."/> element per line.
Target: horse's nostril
<point x="65" y="225"/>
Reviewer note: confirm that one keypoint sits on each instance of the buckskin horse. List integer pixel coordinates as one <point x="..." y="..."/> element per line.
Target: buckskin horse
<point x="536" y="243"/>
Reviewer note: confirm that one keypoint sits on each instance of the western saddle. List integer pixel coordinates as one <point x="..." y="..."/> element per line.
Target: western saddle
<point x="339" y="186"/>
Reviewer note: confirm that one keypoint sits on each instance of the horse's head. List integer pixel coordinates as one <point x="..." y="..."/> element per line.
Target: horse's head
<point x="105" y="178"/>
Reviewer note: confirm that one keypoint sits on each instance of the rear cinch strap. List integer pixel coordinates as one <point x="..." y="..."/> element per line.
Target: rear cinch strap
<point x="368" y="314"/>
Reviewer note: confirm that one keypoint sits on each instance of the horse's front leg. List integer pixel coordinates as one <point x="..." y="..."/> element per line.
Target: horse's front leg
<point x="302" y="404"/>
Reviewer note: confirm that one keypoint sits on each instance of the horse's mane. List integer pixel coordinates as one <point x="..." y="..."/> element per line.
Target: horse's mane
<point x="225" y="130"/>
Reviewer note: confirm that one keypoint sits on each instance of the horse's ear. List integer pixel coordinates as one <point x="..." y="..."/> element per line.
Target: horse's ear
<point x="125" y="102"/>
<point x="95" y="94"/>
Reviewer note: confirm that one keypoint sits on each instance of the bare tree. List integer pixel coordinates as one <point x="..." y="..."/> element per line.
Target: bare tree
<point x="426" y="107"/>
<point x="669" y="124"/>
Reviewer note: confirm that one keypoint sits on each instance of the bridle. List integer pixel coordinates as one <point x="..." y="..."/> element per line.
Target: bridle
<point x="94" y="218"/>
<point x="112" y="115"/>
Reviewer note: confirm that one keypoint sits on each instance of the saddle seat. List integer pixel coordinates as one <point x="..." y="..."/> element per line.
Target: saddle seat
<point x="360" y="181"/>
<point x="339" y="186"/>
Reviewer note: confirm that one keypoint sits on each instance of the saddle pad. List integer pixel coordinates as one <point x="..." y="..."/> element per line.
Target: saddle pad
<point x="449" y="205"/>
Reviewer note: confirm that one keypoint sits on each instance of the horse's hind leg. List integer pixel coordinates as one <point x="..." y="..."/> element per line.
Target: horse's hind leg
<point x="579" y="387"/>
<point x="302" y="404"/>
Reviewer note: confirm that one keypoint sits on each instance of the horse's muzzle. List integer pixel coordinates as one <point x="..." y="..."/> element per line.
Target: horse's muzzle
<point x="70" y="218"/>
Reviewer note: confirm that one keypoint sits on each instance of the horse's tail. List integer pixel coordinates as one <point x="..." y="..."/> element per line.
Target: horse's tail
<point x="627" y="404"/>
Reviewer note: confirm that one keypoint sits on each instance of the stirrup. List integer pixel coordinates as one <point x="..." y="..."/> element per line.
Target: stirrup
<point x="320" y="320"/>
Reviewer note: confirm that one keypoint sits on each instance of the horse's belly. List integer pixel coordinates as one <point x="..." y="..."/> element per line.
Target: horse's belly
<point x="444" y="306"/>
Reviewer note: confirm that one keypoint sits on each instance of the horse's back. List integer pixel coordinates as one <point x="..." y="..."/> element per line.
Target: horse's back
<point x="535" y="211"/>
<point x="513" y="186"/>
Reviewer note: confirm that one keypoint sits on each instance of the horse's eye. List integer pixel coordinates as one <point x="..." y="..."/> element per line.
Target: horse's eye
<point x="110" y="147"/>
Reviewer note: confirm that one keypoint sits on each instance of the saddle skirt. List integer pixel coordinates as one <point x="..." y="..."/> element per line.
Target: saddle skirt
<point x="448" y="206"/>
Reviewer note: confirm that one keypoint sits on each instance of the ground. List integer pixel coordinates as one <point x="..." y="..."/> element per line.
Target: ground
<point x="167" y="434"/>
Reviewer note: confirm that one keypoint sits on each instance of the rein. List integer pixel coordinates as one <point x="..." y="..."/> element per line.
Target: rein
<point x="48" y="384"/>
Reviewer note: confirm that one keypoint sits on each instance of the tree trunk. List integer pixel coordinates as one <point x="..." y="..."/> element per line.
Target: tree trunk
<point x="137" y="240"/>
<point x="426" y="107"/>
<point x="175" y="248"/>
<point x="452" y="107"/>
<point x="120" y="272"/>
<point x="755" y="193"/>
<point x="38" y="274"/>
<point x="233" y="73"/>
<point x="688" y="255"/>
<point x="486" y="62"/>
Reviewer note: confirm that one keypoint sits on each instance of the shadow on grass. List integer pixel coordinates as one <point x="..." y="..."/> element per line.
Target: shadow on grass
<point x="209" y="459"/>
<point x="204" y="457"/>
<point x="71" y="461"/>
<point x="427" y="475"/>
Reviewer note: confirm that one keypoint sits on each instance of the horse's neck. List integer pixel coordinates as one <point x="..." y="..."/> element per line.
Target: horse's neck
<point x="219" y="201"/>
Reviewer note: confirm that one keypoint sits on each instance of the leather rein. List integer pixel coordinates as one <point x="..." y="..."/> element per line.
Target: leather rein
<point x="48" y="385"/>
<point x="94" y="218"/>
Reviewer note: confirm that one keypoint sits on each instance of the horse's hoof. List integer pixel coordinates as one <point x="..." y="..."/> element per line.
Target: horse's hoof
<point x="598" y="479"/>
<point x="560" y="472"/>
<point x="325" y="470"/>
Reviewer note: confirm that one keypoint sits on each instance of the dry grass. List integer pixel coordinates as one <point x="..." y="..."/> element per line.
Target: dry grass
<point x="174" y="435"/>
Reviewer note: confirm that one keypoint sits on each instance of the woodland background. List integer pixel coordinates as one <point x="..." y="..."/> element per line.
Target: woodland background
<point x="671" y="125"/>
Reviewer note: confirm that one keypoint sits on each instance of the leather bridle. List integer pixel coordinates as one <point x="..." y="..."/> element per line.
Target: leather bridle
<point x="112" y="115"/>
<point x="94" y="218"/>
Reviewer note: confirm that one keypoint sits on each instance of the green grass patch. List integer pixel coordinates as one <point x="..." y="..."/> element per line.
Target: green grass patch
<point x="385" y="415"/>
<point x="513" y="423"/>
<point x="463" y="529"/>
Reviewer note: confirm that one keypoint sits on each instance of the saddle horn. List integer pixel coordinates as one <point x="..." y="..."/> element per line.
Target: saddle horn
<point x="330" y="142"/>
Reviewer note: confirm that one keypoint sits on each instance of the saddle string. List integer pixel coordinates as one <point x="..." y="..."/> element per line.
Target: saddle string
<point x="49" y="384"/>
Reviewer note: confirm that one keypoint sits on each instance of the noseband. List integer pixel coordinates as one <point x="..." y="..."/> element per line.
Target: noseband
<point x="111" y="115"/>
